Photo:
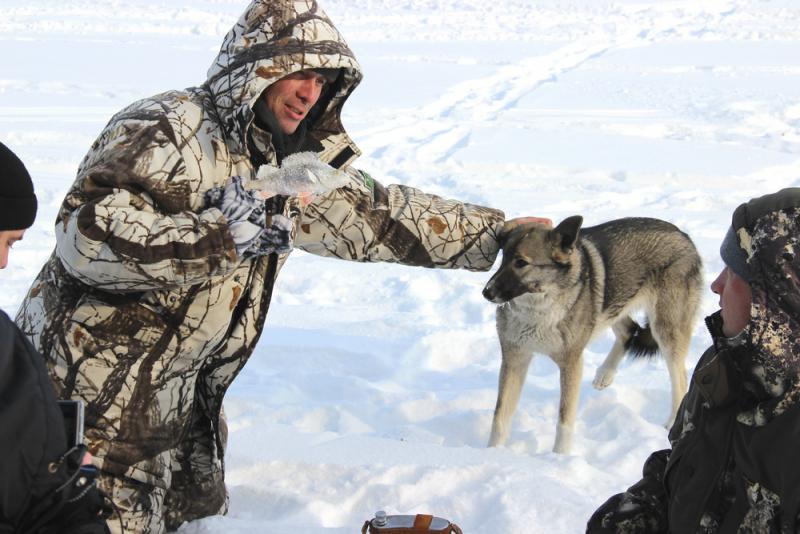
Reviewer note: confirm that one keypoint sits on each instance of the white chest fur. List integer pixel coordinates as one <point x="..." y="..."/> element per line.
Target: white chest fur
<point x="534" y="320"/>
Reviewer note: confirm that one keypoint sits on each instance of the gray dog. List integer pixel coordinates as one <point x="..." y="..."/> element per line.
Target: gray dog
<point x="556" y="290"/>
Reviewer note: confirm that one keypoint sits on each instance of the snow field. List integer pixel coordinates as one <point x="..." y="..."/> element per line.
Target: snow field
<point x="373" y="385"/>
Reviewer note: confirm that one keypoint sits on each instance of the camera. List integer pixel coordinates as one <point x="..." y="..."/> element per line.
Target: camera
<point x="72" y="411"/>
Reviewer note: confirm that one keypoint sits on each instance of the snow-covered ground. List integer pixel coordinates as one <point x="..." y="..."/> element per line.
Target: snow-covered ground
<point x="373" y="386"/>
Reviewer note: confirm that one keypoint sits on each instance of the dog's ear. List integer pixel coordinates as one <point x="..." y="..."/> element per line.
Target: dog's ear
<point x="564" y="236"/>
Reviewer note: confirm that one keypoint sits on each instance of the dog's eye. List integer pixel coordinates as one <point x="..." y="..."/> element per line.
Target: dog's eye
<point x="519" y="263"/>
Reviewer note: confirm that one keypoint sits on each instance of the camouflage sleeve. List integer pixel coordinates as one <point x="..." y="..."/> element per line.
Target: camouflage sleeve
<point x="134" y="220"/>
<point x="640" y="510"/>
<point x="368" y="222"/>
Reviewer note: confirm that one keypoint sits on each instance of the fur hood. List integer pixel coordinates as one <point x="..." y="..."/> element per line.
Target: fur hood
<point x="272" y="39"/>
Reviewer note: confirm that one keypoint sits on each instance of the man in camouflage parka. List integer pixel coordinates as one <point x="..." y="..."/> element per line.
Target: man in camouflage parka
<point x="149" y="307"/>
<point x="732" y="467"/>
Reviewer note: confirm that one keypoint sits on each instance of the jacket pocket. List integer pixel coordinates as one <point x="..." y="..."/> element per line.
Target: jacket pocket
<point x="96" y="325"/>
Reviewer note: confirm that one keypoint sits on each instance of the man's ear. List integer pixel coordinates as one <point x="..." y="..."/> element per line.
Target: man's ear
<point x="564" y="237"/>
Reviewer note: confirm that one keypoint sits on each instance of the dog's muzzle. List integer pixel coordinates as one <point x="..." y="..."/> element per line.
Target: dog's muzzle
<point x="488" y="293"/>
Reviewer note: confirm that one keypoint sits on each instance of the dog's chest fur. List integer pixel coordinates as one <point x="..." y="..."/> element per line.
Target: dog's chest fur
<point x="534" y="324"/>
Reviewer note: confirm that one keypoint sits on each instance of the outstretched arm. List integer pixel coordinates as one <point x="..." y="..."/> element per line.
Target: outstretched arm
<point x="366" y="221"/>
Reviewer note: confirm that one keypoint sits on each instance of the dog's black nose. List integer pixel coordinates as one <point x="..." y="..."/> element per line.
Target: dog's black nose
<point x="488" y="294"/>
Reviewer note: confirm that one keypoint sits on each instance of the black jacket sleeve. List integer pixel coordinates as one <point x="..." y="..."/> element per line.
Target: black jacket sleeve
<point x="39" y="488"/>
<point x="642" y="509"/>
<point x="33" y="430"/>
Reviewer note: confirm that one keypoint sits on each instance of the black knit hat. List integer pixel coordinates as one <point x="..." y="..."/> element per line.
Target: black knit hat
<point x="747" y="217"/>
<point x="17" y="200"/>
<point x="733" y="255"/>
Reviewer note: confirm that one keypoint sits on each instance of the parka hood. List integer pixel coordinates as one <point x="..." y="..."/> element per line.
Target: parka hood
<point x="768" y="230"/>
<point x="272" y="39"/>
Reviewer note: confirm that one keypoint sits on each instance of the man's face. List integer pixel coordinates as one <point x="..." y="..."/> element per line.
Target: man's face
<point x="7" y="240"/>
<point x="291" y="97"/>
<point x="734" y="301"/>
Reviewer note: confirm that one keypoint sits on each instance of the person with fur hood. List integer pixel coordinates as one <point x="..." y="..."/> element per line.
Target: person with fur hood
<point x="45" y="488"/>
<point x="732" y="466"/>
<point x="170" y="239"/>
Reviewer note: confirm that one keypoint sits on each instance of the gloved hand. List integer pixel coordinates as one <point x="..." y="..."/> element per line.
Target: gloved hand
<point x="276" y="237"/>
<point x="245" y="211"/>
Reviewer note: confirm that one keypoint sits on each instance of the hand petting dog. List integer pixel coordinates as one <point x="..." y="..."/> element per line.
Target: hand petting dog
<point x="527" y="220"/>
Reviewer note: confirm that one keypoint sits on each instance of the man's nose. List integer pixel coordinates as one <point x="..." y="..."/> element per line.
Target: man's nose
<point x="716" y="287"/>
<point x="307" y="91"/>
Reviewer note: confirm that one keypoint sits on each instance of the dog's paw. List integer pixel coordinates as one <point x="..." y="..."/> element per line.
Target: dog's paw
<point x="563" y="444"/>
<point x="603" y="378"/>
<point x="497" y="439"/>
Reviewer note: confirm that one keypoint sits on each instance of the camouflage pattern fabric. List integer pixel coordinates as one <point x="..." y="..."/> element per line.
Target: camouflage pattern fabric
<point x="773" y="368"/>
<point x="146" y="311"/>
<point x="732" y="464"/>
<point x="640" y="510"/>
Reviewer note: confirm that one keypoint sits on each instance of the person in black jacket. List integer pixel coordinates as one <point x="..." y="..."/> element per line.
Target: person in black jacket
<point x="44" y="486"/>
<point x="732" y="467"/>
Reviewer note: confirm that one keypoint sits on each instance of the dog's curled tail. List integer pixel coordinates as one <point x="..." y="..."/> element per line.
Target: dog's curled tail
<point x="641" y="343"/>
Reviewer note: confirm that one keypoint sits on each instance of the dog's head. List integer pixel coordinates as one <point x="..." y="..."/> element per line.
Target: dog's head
<point x="536" y="259"/>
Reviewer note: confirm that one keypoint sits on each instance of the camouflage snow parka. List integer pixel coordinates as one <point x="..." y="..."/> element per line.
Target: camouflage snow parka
<point x="733" y="463"/>
<point x="145" y="311"/>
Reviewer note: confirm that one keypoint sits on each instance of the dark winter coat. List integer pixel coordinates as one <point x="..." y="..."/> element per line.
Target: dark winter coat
<point x="732" y="467"/>
<point x="32" y="444"/>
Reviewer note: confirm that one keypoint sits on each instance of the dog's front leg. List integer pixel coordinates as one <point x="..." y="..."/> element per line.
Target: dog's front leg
<point x="513" y="371"/>
<point x="571" y="372"/>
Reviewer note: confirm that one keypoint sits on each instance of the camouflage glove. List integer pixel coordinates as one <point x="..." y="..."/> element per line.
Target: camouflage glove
<point x="275" y="237"/>
<point x="242" y="209"/>
<point x="245" y="212"/>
